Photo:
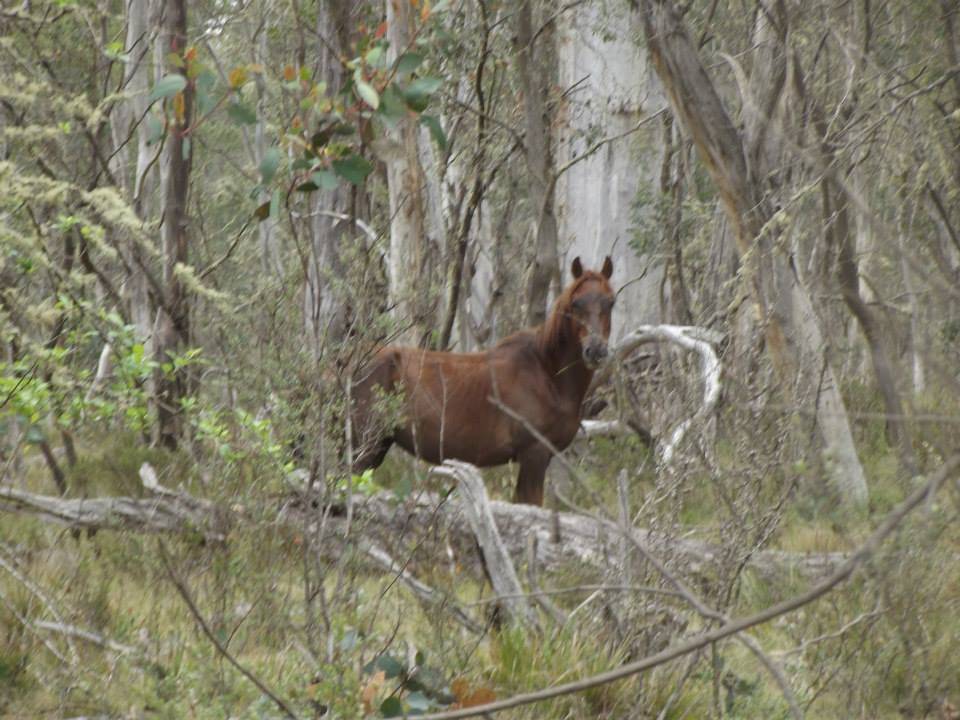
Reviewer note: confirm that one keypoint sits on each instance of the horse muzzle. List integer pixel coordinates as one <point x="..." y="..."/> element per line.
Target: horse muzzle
<point x="594" y="353"/>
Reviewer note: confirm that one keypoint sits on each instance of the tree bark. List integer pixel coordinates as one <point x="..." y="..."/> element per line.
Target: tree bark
<point x="324" y="301"/>
<point x="172" y="329"/>
<point x="412" y="250"/>
<point x="561" y="537"/>
<point x="134" y="157"/>
<point x="598" y="212"/>
<point x="535" y="76"/>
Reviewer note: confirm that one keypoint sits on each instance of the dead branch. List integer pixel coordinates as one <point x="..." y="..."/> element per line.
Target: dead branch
<point x="72" y="631"/>
<point x="181" y="587"/>
<point x="694" y="339"/>
<point x="168" y="511"/>
<point x="423" y="591"/>
<point x="499" y="566"/>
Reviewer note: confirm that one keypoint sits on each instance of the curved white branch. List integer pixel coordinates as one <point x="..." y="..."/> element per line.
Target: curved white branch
<point x="692" y="338"/>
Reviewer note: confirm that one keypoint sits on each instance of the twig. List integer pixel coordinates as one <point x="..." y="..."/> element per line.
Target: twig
<point x="830" y="636"/>
<point x="542" y="599"/>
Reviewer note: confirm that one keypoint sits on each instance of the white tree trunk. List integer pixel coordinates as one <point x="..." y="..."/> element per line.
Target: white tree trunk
<point x="134" y="157"/>
<point x="597" y="198"/>
<point x="412" y="253"/>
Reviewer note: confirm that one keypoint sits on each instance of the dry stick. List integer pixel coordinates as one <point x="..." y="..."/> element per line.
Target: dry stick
<point x="89" y="636"/>
<point x="832" y="635"/>
<point x="37" y="592"/>
<point x="558" y="615"/>
<point x="185" y="594"/>
<point x="592" y="588"/>
<point x="72" y="661"/>
<point x="863" y="553"/>
<point x="423" y="591"/>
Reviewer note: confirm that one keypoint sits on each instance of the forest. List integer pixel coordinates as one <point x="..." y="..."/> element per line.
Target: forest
<point x="215" y="215"/>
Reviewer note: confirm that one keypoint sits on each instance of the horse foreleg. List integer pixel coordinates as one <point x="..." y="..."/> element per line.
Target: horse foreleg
<point x="533" y="468"/>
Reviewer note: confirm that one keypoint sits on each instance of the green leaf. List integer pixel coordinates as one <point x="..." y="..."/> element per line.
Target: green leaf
<point x="267" y="209"/>
<point x="206" y="101"/>
<point x="323" y="136"/>
<point x="155" y="128"/>
<point x="392" y="106"/>
<point x="374" y="55"/>
<point x="390" y="665"/>
<point x="424" y="86"/>
<point x="436" y="130"/>
<point x="417" y="94"/>
<point x="241" y="114"/>
<point x="275" y="204"/>
<point x="368" y="93"/>
<point x="418" y="701"/>
<point x="408" y="62"/>
<point x="325" y="180"/>
<point x="391" y="707"/>
<point x="167" y="86"/>
<point x="34" y="435"/>
<point x="269" y="164"/>
<point x="353" y="169"/>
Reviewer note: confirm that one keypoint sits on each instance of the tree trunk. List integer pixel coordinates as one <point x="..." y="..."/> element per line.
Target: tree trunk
<point x="324" y="302"/>
<point x="270" y="256"/>
<point x="792" y="332"/>
<point x="134" y="170"/>
<point x="412" y="251"/>
<point x="535" y="76"/>
<point x="596" y="198"/>
<point x="836" y="205"/>
<point x="172" y="331"/>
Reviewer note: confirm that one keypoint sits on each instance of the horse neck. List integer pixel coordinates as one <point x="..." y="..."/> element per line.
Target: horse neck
<point x="563" y="355"/>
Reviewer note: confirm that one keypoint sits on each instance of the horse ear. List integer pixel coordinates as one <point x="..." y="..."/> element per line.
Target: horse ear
<point x="607" y="269"/>
<point x="576" y="269"/>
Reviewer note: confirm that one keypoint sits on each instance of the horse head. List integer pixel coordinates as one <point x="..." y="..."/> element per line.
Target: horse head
<point x="591" y="302"/>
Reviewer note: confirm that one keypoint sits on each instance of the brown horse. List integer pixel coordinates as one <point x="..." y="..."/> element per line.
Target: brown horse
<point x="453" y="404"/>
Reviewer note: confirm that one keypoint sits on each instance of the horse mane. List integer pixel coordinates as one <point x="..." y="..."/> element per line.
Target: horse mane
<point x="551" y="334"/>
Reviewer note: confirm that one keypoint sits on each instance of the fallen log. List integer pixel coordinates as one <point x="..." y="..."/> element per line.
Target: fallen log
<point x="561" y="537"/>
